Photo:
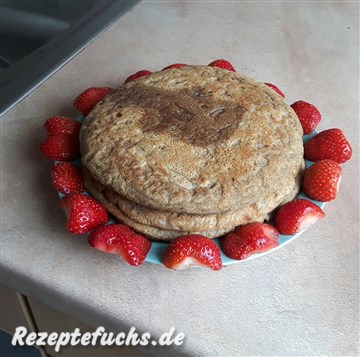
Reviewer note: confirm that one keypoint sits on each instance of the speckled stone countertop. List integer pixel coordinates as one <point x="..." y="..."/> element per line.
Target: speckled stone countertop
<point x="302" y="299"/>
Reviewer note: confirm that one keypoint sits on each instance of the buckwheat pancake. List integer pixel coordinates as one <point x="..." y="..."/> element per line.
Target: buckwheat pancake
<point x="183" y="221"/>
<point x="196" y="140"/>
<point x="150" y="231"/>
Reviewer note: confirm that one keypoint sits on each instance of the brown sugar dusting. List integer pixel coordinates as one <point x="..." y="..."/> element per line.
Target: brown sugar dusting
<point x="192" y="116"/>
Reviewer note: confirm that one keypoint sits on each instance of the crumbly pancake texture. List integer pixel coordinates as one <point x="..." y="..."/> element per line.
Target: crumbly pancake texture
<point x="196" y="140"/>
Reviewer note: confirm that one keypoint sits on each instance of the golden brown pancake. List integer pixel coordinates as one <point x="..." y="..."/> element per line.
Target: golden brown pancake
<point x="150" y="231"/>
<point x="196" y="147"/>
<point x="182" y="221"/>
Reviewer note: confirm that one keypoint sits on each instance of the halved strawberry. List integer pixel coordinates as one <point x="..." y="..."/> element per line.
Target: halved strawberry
<point x="329" y="144"/>
<point x="221" y="63"/>
<point x="175" y="65"/>
<point x="137" y="75"/>
<point x="62" y="125"/>
<point x="190" y="250"/>
<point x="321" y="180"/>
<point x="121" y="240"/>
<point x="308" y="115"/>
<point x="61" y="147"/>
<point x="89" y="98"/>
<point x="275" y="88"/>
<point x="67" y="178"/>
<point x="248" y="239"/>
<point x="83" y="212"/>
<point x="297" y="215"/>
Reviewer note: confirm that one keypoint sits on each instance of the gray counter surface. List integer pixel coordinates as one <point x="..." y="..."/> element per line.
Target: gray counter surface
<point x="300" y="300"/>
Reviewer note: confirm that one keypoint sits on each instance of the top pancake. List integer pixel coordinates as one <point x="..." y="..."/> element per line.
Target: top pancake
<point x="195" y="139"/>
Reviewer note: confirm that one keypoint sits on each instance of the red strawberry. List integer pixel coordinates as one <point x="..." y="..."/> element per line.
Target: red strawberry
<point x="121" y="240"/>
<point x="321" y="180"/>
<point x="83" y="212"/>
<point x="190" y="250"/>
<point x="137" y="75"/>
<point x="61" y="147"/>
<point x="175" y="65"/>
<point x="67" y="178"/>
<point x="297" y="215"/>
<point x="89" y="98"/>
<point x="221" y="63"/>
<point x="248" y="239"/>
<point x="276" y="89"/>
<point x="62" y="125"/>
<point x="308" y="115"/>
<point x="329" y="144"/>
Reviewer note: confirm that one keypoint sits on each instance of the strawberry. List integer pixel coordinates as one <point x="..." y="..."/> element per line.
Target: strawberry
<point x="190" y="250"/>
<point x="62" y="125"/>
<point x="308" y="115"/>
<point x="137" y="75"/>
<point x="89" y="98"/>
<point x="221" y="63"/>
<point x="248" y="239"/>
<point x="329" y="144"/>
<point x="276" y="89"/>
<point x="297" y="215"/>
<point x="175" y="65"/>
<point x="61" y="147"/>
<point x="321" y="180"/>
<point x="67" y="178"/>
<point x="121" y="240"/>
<point x="84" y="213"/>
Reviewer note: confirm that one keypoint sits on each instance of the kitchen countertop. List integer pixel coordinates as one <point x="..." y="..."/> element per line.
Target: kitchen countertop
<point x="302" y="299"/>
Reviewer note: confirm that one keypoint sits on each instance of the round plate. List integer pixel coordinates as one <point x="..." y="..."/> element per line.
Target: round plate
<point x="158" y="248"/>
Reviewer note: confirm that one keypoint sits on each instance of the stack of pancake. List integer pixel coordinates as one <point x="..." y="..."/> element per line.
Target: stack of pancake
<point x="195" y="149"/>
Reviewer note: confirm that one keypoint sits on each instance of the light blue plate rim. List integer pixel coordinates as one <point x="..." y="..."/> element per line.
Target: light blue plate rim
<point x="158" y="248"/>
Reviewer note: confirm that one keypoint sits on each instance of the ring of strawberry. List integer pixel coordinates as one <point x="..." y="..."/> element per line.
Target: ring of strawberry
<point x="174" y="65"/>
<point x="221" y="63"/>
<point x="61" y="147"/>
<point x="87" y="100"/>
<point x="276" y="89"/>
<point x="62" y="142"/>
<point x="308" y="115"/>
<point x="121" y="240"/>
<point x="296" y="216"/>
<point x="192" y="250"/>
<point x="62" y="125"/>
<point x="84" y="213"/>
<point x="137" y="75"/>
<point x="329" y="144"/>
<point x="67" y="178"/>
<point x="248" y="239"/>
<point x="321" y="180"/>
<point x="299" y="215"/>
